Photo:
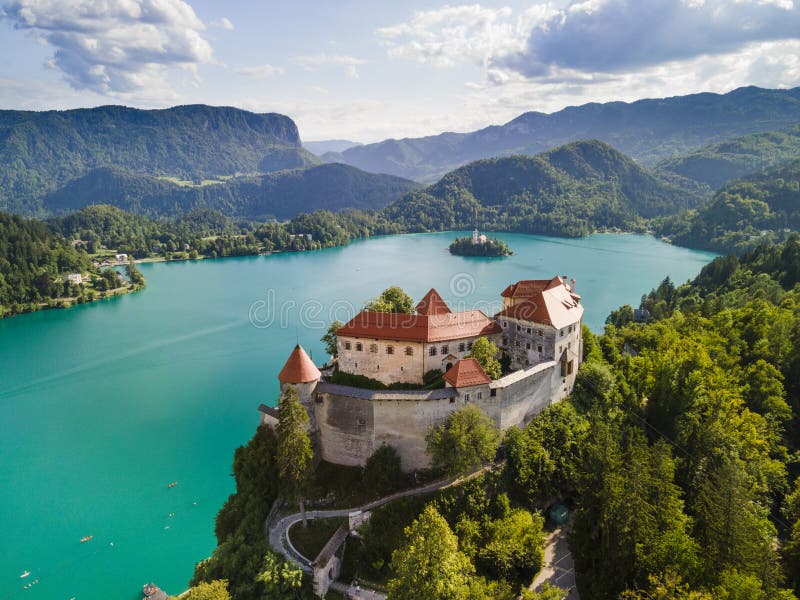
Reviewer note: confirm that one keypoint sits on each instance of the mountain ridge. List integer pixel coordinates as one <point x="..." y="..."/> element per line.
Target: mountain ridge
<point x="41" y="151"/>
<point x="648" y="130"/>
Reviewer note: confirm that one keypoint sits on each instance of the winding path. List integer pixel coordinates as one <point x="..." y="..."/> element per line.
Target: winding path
<point x="279" y="531"/>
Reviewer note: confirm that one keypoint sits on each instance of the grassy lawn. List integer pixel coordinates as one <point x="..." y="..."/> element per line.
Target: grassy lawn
<point x="310" y="540"/>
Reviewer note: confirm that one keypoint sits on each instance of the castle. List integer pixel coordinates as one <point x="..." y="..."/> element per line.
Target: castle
<point x="538" y="330"/>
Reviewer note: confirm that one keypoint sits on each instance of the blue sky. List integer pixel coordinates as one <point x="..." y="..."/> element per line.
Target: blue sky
<point x="367" y="70"/>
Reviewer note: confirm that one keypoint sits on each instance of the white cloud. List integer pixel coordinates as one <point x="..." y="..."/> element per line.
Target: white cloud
<point x="223" y="23"/>
<point x="123" y="48"/>
<point x="587" y="36"/>
<point x="451" y="35"/>
<point x="259" y="71"/>
<point x="315" y="61"/>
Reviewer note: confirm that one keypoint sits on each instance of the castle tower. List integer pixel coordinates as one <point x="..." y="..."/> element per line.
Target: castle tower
<point x="302" y="374"/>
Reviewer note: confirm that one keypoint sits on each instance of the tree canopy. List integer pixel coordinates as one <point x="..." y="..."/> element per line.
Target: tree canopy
<point x="392" y="300"/>
<point x="485" y="352"/>
<point x="466" y="440"/>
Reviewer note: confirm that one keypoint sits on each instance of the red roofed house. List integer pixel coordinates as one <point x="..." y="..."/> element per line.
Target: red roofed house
<point x="541" y="321"/>
<point x="401" y="348"/>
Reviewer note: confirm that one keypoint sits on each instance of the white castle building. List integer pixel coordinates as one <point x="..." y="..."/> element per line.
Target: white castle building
<point x="538" y="329"/>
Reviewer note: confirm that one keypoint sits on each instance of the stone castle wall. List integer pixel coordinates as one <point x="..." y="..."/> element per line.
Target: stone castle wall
<point x="352" y="422"/>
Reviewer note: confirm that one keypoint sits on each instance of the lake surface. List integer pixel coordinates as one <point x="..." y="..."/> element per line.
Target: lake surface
<point x="103" y="405"/>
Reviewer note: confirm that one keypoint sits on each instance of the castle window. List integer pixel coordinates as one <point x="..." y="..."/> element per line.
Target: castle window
<point x="347" y="345"/>
<point x="432" y="351"/>
<point x="541" y="333"/>
<point x="527" y="346"/>
<point x="493" y="392"/>
<point x="462" y="346"/>
<point x="505" y="341"/>
<point x="528" y="330"/>
<point x="389" y="349"/>
<point x="452" y="400"/>
<point x="569" y="345"/>
<point x="519" y="328"/>
<point x="373" y="348"/>
<point x="445" y="349"/>
<point x="539" y="349"/>
<point x="359" y="347"/>
<point x="356" y="365"/>
<point x="409" y="351"/>
<point x="517" y="343"/>
<point x="469" y="346"/>
<point x="505" y="323"/>
<point x="569" y="367"/>
<point x="480" y="395"/>
<point x="466" y="397"/>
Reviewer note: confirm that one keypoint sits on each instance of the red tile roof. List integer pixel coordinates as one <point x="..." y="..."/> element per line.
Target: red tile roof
<point x="465" y="373"/>
<point x="419" y="328"/>
<point x="529" y="288"/>
<point x="432" y="304"/>
<point x="546" y="302"/>
<point x="299" y="368"/>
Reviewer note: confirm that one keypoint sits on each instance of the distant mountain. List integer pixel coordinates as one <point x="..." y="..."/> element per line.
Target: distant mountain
<point x="281" y="195"/>
<point x="761" y="207"/>
<point x="715" y="165"/>
<point x="647" y="130"/>
<point x="571" y="190"/>
<point x="323" y="146"/>
<point x="42" y="151"/>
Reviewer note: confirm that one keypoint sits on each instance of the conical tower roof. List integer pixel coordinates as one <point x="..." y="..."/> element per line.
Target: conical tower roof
<point x="299" y="368"/>
<point x="432" y="304"/>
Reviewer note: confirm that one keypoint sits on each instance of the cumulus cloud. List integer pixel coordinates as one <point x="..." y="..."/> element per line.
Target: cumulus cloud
<point x="260" y="71"/>
<point x="449" y="35"/>
<point x="119" y="48"/>
<point x="315" y="61"/>
<point x="620" y="35"/>
<point x="587" y="37"/>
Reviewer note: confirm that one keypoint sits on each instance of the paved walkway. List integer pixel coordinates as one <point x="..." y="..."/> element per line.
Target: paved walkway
<point x="279" y="531"/>
<point x="557" y="567"/>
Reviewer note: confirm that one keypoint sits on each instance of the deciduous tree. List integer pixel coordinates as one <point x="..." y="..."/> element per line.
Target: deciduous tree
<point x="429" y="564"/>
<point x="466" y="440"/>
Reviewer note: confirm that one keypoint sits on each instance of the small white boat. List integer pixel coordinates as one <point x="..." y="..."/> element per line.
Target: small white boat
<point x="24" y="574"/>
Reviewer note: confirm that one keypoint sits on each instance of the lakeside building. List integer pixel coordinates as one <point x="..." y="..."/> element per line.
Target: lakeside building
<point x="538" y="330"/>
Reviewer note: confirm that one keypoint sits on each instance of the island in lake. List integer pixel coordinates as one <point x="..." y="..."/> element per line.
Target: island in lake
<point x="479" y="245"/>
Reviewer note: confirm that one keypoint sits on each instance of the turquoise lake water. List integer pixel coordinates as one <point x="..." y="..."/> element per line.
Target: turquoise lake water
<point x="103" y="405"/>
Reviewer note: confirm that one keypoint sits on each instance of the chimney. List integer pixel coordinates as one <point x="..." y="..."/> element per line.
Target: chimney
<point x="572" y="285"/>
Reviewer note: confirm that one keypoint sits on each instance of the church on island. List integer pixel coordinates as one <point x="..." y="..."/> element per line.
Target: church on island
<point x="538" y="330"/>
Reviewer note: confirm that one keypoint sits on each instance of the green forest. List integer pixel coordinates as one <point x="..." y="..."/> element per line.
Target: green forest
<point x="764" y="207"/>
<point x="570" y="191"/>
<point x="35" y="261"/>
